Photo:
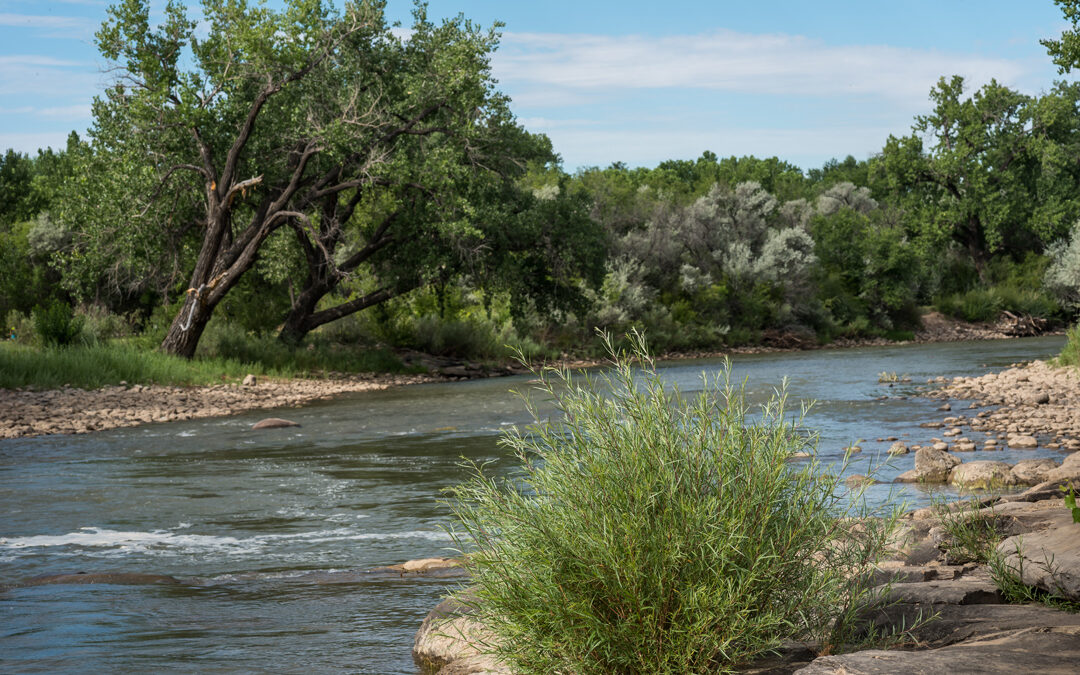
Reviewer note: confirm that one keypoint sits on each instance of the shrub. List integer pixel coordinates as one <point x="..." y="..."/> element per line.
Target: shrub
<point x="650" y="534"/>
<point x="1063" y="274"/>
<point x="56" y="324"/>
<point x="1070" y="354"/>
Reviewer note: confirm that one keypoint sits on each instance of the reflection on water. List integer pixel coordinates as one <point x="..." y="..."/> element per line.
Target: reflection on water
<point x="247" y="515"/>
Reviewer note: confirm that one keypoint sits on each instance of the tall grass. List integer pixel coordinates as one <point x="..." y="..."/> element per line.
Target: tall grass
<point x="106" y="363"/>
<point x="648" y="533"/>
<point x="1070" y="354"/>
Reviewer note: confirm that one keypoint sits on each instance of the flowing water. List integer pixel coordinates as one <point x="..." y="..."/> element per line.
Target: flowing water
<point x="261" y="524"/>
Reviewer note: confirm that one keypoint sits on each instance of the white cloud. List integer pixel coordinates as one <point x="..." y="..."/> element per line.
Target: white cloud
<point x="29" y="77"/>
<point x="733" y="62"/>
<point x="51" y="26"/>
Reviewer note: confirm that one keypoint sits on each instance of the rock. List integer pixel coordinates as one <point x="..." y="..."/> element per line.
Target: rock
<point x="961" y="591"/>
<point x="440" y="567"/>
<point x="1021" y="441"/>
<point x="945" y="407"/>
<point x="1040" y="399"/>
<point x="273" y="423"/>
<point x="1039" y="649"/>
<point x="449" y="635"/>
<point x="859" y="480"/>
<point x="1048" y="490"/>
<point x="249" y="380"/>
<point x="1065" y="472"/>
<point x="940" y="446"/>
<point x="955" y="431"/>
<point x="955" y="623"/>
<point x="1049" y="559"/>
<point x="1032" y="471"/>
<point x="931" y="466"/>
<point x="982" y="475"/>
<point x="963" y="446"/>
<point x="898" y="449"/>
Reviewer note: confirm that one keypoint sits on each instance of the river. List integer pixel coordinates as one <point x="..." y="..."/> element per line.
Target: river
<point x="252" y="515"/>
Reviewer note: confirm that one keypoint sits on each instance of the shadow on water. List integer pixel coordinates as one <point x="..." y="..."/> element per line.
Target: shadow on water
<point x="254" y="514"/>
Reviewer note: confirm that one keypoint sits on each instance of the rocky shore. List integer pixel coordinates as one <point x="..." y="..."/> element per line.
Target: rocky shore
<point x="973" y="629"/>
<point x="1022" y="408"/>
<point x="76" y="411"/>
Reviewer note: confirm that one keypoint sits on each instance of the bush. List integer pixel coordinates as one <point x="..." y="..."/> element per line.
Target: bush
<point x="1070" y="354"/>
<point x="650" y="534"/>
<point x="56" y="324"/>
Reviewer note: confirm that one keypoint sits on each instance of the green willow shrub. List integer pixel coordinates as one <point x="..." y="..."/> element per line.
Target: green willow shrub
<point x="648" y="533"/>
<point x="56" y="324"/>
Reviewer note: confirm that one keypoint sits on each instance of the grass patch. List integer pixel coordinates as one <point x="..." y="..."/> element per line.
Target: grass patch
<point x="98" y="365"/>
<point x="648" y="533"/>
<point x="987" y="304"/>
<point x="971" y="532"/>
<point x="1070" y="354"/>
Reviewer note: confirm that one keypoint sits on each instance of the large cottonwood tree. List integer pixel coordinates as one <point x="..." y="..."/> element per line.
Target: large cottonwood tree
<point x="218" y="133"/>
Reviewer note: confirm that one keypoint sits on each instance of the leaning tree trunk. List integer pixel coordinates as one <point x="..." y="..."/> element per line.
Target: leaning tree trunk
<point x="187" y="328"/>
<point x="301" y="320"/>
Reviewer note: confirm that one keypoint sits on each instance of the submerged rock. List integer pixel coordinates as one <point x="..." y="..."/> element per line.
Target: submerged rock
<point x="273" y="423"/>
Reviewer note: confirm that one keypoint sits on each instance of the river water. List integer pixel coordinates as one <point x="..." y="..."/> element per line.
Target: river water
<point x="264" y="520"/>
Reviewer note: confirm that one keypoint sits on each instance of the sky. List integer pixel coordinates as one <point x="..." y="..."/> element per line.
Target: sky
<point x="638" y="82"/>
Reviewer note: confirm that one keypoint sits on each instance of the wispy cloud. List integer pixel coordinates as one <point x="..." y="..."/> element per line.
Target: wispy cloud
<point x="46" y="77"/>
<point x="51" y="26"/>
<point x="587" y="65"/>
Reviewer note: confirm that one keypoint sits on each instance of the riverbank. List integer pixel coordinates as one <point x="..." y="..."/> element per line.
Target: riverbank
<point x="69" y="410"/>
<point x="942" y="602"/>
<point x="76" y="411"/>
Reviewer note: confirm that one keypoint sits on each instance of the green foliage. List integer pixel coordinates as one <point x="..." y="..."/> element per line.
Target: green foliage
<point x="1009" y="578"/>
<point x="1062" y="276"/>
<point x="1070" y="503"/>
<point x="647" y="533"/>
<point x="1070" y="353"/>
<point x="971" y="532"/>
<point x="56" y="324"/>
<point x="1066" y="50"/>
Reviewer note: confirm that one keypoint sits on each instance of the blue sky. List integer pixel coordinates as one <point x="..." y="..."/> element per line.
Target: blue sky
<point x="638" y="82"/>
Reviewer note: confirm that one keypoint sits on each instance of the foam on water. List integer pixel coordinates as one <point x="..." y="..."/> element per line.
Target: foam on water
<point x="106" y="542"/>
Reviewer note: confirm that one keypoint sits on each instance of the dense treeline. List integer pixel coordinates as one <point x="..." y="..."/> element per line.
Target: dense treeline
<point x="310" y="176"/>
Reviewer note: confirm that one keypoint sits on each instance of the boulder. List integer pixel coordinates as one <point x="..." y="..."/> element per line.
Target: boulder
<point x="982" y="475"/>
<point x="931" y="466"/>
<point x="1022" y="441"/>
<point x="898" y="448"/>
<point x="273" y="423"/>
<point x="450" y="641"/>
<point x="1032" y="471"/>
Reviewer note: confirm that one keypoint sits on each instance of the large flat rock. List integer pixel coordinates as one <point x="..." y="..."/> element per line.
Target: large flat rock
<point x="1048" y="650"/>
<point x="963" y="591"/>
<point x="1049" y="558"/>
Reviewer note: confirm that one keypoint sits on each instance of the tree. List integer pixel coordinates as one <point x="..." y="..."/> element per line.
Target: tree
<point x="988" y="172"/>
<point x="1066" y="51"/>
<point x="274" y="119"/>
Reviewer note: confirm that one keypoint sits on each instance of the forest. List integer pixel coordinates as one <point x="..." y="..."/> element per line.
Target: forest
<point x="306" y="185"/>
